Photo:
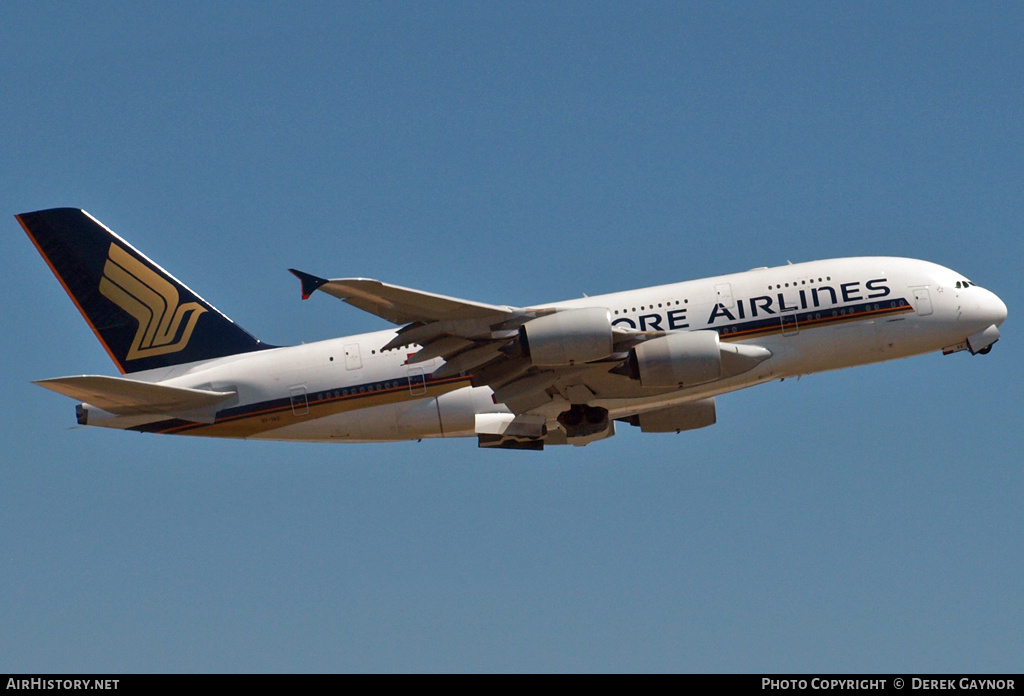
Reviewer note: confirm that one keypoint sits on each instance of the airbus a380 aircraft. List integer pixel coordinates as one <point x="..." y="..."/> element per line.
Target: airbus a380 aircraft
<point x="514" y="377"/>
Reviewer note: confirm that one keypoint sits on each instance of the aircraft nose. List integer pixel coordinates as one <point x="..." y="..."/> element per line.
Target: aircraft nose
<point x="992" y="308"/>
<point x="998" y="309"/>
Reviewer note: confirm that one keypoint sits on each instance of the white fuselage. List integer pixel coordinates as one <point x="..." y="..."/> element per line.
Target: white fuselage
<point x="815" y="316"/>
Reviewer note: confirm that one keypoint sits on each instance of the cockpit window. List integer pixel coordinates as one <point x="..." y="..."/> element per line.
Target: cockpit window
<point x="964" y="284"/>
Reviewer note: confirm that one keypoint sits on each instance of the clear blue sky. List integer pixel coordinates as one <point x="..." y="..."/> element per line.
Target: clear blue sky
<point x="866" y="520"/>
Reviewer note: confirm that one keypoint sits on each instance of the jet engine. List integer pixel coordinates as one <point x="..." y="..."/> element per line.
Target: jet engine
<point x="688" y="359"/>
<point x="676" y="360"/>
<point x="567" y="338"/>
<point x="675" y="419"/>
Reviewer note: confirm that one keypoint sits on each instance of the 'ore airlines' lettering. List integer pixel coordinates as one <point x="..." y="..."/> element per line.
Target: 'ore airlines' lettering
<point x="764" y="305"/>
<point x="821" y="296"/>
<point x="674" y="320"/>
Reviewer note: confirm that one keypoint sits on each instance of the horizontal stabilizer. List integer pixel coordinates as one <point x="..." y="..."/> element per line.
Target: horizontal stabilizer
<point x="128" y="397"/>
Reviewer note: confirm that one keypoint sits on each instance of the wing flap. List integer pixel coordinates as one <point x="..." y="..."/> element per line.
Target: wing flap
<point x="129" y="397"/>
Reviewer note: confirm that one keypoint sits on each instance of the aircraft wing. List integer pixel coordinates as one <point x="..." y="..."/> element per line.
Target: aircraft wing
<point x="397" y="304"/>
<point x="477" y="338"/>
<point x="129" y="397"/>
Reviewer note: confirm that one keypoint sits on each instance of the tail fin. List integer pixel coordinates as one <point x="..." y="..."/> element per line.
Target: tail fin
<point x="143" y="316"/>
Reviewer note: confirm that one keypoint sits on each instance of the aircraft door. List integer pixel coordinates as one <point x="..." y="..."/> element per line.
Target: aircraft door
<point x="300" y="405"/>
<point x="352" y="359"/>
<point x="417" y="381"/>
<point x="790" y="325"/>
<point x="723" y="294"/>
<point x="923" y="301"/>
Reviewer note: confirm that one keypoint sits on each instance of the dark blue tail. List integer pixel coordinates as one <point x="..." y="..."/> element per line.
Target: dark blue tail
<point x="143" y="316"/>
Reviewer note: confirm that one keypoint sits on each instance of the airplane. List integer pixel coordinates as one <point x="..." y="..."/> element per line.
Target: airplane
<point x="513" y="377"/>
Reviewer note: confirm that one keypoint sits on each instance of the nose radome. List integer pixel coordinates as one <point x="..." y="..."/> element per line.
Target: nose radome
<point x="998" y="309"/>
<point x="989" y="308"/>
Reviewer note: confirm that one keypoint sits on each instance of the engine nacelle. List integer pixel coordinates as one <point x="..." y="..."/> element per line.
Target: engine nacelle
<point x="675" y="419"/>
<point x="677" y="360"/>
<point x="567" y="338"/>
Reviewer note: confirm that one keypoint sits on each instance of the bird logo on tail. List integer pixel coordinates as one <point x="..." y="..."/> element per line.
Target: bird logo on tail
<point x="152" y="301"/>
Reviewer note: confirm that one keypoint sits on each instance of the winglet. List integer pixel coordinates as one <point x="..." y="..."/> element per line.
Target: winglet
<point x="310" y="283"/>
